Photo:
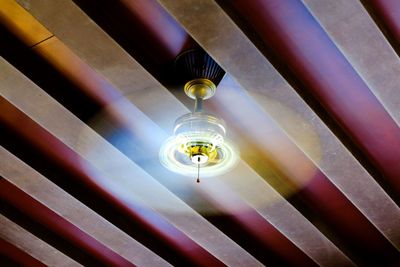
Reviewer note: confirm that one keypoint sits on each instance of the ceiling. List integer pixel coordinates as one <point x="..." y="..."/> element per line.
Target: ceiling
<point x="310" y="97"/>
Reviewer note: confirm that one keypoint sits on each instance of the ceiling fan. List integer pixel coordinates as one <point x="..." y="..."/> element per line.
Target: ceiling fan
<point x="199" y="139"/>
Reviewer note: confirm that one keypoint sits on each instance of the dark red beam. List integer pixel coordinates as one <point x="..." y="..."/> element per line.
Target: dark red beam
<point x="251" y="231"/>
<point x="387" y="15"/>
<point x="299" y="41"/>
<point x="72" y="241"/>
<point x="145" y="30"/>
<point x="156" y="232"/>
<point x="11" y="255"/>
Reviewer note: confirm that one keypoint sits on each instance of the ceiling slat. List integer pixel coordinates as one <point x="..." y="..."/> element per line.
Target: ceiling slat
<point x="12" y="255"/>
<point x="15" y="18"/>
<point x="365" y="47"/>
<point x="54" y="229"/>
<point x="32" y="245"/>
<point x="386" y="12"/>
<point x="37" y="186"/>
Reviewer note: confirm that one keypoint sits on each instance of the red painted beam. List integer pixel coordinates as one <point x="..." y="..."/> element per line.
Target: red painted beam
<point x="388" y="12"/>
<point x="144" y="29"/>
<point x="94" y="251"/>
<point x="301" y="43"/>
<point x="11" y="255"/>
<point x="250" y="230"/>
<point x="60" y="155"/>
<point x="266" y="236"/>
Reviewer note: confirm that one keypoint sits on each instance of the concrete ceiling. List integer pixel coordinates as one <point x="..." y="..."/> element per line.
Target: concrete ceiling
<point x="311" y="97"/>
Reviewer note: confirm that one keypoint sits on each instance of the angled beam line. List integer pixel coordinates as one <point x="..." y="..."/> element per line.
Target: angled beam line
<point x="161" y="38"/>
<point x="32" y="245"/>
<point x="316" y="61"/>
<point x="24" y="25"/>
<point x="10" y="254"/>
<point x="56" y="199"/>
<point x="386" y="14"/>
<point x="364" y="46"/>
<point x="238" y="196"/>
<point x="89" y="250"/>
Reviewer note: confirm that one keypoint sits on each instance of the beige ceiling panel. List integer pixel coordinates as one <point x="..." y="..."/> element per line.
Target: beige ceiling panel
<point x="32" y="245"/>
<point x="228" y="45"/>
<point x="360" y="40"/>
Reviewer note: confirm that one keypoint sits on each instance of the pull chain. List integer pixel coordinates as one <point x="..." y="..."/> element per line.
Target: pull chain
<point x="198" y="170"/>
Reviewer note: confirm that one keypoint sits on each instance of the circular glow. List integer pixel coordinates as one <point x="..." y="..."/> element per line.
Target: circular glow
<point x="176" y="161"/>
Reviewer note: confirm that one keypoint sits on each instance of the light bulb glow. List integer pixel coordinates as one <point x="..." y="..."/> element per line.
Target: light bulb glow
<point x="172" y="159"/>
<point x="199" y="140"/>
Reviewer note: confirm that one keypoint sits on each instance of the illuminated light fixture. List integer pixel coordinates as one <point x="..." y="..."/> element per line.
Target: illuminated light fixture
<point x="199" y="139"/>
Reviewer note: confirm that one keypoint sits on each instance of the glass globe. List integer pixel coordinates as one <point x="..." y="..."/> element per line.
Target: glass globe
<point x="199" y="141"/>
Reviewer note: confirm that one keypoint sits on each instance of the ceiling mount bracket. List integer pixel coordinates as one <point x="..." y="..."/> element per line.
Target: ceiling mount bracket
<point x="200" y="88"/>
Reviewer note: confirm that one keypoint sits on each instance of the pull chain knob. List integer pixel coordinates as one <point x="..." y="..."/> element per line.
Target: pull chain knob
<point x="198" y="170"/>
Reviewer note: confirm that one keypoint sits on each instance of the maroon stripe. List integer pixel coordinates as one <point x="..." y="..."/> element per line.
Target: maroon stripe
<point x="152" y="36"/>
<point x="256" y="234"/>
<point x="56" y="225"/>
<point x="388" y="12"/>
<point x="11" y="255"/>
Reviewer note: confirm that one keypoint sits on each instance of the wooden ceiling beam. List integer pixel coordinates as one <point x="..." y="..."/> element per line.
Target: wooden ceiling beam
<point x="50" y="226"/>
<point x="386" y="14"/>
<point x="11" y="255"/>
<point x="32" y="245"/>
